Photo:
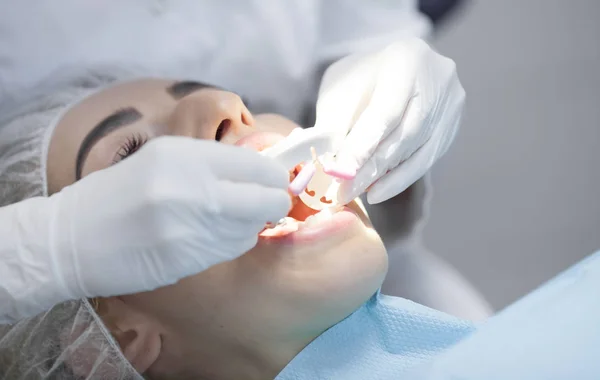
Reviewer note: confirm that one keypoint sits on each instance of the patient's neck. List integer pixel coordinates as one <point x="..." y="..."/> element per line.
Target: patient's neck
<point x="263" y="361"/>
<point x="255" y="345"/>
<point x="251" y="329"/>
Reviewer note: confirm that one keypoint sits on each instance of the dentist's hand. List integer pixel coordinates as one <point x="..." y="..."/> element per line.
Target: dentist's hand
<point x="393" y="112"/>
<point x="175" y="208"/>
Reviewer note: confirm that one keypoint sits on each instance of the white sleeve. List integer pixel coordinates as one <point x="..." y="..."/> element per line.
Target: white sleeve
<point x="349" y="26"/>
<point x="28" y="283"/>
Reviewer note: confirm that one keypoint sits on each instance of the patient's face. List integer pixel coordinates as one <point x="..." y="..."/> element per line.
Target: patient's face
<point x="258" y="305"/>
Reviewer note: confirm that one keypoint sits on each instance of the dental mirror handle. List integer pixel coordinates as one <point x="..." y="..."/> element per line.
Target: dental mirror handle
<point x="296" y="148"/>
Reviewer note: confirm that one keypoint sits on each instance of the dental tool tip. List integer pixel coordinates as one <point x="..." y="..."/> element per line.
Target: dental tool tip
<point x="302" y="179"/>
<point x="338" y="171"/>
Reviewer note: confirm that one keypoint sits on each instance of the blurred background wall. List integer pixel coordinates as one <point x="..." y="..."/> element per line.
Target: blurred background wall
<point x="517" y="196"/>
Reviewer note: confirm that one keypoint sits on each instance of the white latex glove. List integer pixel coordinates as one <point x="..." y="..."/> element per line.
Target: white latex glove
<point x="175" y="208"/>
<point x="393" y="112"/>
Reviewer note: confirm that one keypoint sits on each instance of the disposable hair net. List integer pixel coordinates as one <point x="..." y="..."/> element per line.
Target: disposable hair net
<point x="69" y="341"/>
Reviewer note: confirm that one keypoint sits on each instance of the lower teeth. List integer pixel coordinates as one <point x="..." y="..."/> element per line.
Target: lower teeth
<point x="283" y="226"/>
<point x="288" y="224"/>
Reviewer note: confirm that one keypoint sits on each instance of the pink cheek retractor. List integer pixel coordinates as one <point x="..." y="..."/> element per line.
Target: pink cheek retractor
<point x="328" y="167"/>
<point x="333" y="169"/>
<point x="303" y="178"/>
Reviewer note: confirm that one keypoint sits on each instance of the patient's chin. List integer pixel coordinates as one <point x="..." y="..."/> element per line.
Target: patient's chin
<point x="340" y="280"/>
<point x="326" y="281"/>
<point x="359" y="268"/>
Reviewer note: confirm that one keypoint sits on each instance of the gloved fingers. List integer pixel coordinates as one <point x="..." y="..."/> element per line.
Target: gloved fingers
<point x="354" y="188"/>
<point x="399" y="145"/>
<point x="224" y="249"/>
<point x="233" y="248"/>
<point x="245" y="244"/>
<point x="405" y="174"/>
<point x="243" y="165"/>
<point x="384" y="113"/>
<point x="252" y="204"/>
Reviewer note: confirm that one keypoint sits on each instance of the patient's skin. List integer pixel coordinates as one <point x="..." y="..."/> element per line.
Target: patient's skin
<point x="243" y="319"/>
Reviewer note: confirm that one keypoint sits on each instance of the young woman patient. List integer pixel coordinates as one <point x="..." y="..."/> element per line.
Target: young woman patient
<point x="242" y="319"/>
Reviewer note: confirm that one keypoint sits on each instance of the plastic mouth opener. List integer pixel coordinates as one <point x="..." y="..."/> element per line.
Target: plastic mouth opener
<point x="320" y="173"/>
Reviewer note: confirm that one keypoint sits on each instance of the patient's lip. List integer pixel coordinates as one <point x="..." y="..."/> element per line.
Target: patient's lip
<point x="338" y="224"/>
<point x="260" y="140"/>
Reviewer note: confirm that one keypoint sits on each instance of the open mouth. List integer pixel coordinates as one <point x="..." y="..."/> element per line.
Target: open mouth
<point x="301" y="216"/>
<point x="303" y="223"/>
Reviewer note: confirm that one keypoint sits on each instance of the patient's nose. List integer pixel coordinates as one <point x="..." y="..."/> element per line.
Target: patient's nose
<point x="211" y="114"/>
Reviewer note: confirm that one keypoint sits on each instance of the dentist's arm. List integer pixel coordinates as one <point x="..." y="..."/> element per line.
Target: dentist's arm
<point x="175" y="208"/>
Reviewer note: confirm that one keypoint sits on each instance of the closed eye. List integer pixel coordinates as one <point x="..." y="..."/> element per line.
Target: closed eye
<point x="131" y="145"/>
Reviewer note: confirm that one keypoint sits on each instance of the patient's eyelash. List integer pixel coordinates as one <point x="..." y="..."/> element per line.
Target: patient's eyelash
<point x="132" y="145"/>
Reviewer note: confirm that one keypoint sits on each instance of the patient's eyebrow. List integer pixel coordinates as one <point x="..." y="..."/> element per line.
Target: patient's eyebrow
<point x="109" y="124"/>
<point x="181" y="89"/>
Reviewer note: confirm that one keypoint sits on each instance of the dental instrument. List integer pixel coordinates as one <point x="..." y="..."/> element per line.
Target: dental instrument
<point x="301" y="146"/>
<point x="303" y="178"/>
<point x="296" y="147"/>
<point x="327" y="164"/>
<point x="318" y="181"/>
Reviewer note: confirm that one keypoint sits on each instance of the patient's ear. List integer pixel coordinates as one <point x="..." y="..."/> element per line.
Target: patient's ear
<point x="138" y="334"/>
